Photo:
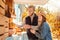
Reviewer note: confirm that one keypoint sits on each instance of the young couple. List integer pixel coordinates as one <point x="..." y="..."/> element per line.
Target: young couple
<point x="37" y="27"/>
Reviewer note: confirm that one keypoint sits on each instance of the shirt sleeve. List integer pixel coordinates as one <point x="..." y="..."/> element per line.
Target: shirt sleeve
<point x="41" y="34"/>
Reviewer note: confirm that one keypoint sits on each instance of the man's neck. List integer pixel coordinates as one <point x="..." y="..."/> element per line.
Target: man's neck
<point x="31" y="15"/>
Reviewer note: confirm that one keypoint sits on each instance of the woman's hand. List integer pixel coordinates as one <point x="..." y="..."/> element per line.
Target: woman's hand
<point x="26" y="26"/>
<point x="32" y="31"/>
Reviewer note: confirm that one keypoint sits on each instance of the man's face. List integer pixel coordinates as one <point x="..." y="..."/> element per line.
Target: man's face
<point x="31" y="11"/>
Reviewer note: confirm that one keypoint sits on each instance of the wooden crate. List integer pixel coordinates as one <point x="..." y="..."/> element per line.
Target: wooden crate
<point x="6" y="30"/>
<point x="2" y="29"/>
<point x="6" y="24"/>
<point x="5" y="35"/>
<point x="1" y="20"/>
<point x="2" y="11"/>
<point x="2" y="37"/>
<point x="4" y="20"/>
<point x="2" y="3"/>
<point x="2" y="7"/>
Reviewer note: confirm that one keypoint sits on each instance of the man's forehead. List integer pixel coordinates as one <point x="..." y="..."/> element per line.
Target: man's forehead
<point x="31" y="8"/>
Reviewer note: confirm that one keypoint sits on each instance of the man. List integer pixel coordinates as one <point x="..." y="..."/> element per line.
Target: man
<point x="31" y="20"/>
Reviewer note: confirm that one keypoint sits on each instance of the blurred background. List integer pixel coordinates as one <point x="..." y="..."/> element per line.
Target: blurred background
<point x="13" y="13"/>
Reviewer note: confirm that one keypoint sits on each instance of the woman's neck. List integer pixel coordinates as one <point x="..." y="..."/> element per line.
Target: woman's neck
<point x="39" y="23"/>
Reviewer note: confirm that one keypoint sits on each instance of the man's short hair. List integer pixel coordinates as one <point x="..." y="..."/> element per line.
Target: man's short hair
<point x="31" y="6"/>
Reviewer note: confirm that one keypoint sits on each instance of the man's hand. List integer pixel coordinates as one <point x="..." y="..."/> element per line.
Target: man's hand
<point x="32" y="31"/>
<point x="27" y="26"/>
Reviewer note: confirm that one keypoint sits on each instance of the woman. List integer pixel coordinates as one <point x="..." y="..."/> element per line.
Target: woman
<point x="43" y="32"/>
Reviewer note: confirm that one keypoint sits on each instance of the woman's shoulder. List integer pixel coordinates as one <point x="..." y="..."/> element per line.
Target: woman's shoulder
<point x="46" y="25"/>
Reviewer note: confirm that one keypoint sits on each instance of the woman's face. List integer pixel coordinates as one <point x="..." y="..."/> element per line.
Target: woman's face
<point x="40" y="18"/>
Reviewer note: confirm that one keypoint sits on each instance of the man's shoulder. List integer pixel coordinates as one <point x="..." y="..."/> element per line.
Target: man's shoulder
<point x="35" y="15"/>
<point x="27" y="17"/>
